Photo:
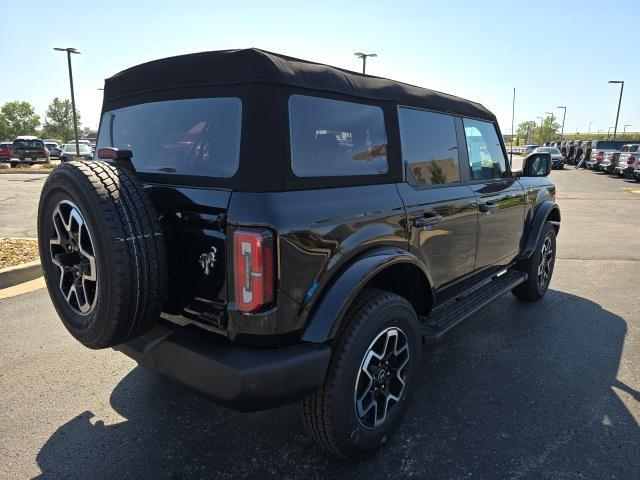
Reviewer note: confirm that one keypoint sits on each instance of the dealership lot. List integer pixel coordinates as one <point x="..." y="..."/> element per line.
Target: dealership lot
<point x="550" y="390"/>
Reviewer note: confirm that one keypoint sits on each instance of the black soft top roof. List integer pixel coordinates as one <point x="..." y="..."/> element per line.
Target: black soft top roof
<point x="139" y="84"/>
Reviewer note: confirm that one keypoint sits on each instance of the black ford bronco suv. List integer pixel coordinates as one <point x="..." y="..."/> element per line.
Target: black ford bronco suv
<point x="266" y="229"/>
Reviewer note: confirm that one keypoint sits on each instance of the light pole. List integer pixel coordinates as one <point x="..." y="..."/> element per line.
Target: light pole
<point x="364" y="56"/>
<point x="598" y="134"/>
<point x="551" y="115"/>
<point x="69" y="51"/>
<point x="624" y="130"/>
<point x="609" y="132"/>
<point x="621" y="82"/>
<point x="540" y="136"/>
<point x="590" y="122"/>
<point x="564" y="116"/>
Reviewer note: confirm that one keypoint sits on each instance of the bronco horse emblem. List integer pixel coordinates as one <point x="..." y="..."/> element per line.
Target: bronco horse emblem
<point x="208" y="260"/>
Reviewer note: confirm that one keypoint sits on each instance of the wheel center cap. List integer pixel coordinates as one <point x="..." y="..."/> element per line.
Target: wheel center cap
<point x="382" y="375"/>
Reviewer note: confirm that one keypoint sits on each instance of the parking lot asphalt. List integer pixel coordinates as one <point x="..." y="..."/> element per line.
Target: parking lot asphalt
<point x="543" y="391"/>
<point x="19" y="195"/>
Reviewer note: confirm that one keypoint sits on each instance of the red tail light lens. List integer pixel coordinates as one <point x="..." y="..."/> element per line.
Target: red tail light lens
<point x="599" y="156"/>
<point x="631" y="160"/>
<point x="253" y="261"/>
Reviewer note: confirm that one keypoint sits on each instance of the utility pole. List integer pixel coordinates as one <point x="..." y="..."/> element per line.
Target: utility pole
<point x="540" y="136"/>
<point x="364" y="56"/>
<point x="621" y="82"/>
<point x="69" y="51"/>
<point x="564" y="116"/>
<point x="513" y="113"/>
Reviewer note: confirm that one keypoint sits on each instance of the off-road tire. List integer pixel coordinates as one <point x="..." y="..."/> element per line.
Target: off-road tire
<point x="329" y="414"/>
<point x="128" y="245"/>
<point x="531" y="290"/>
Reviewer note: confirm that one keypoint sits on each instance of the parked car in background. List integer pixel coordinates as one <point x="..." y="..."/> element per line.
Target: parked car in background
<point x="611" y="151"/>
<point x="628" y="161"/>
<point x="69" y="152"/>
<point x="5" y="151"/>
<point x="529" y="149"/>
<point x="54" y="149"/>
<point x="599" y="148"/>
<point x="28" y="150"/>
<point x="557" y="160"/>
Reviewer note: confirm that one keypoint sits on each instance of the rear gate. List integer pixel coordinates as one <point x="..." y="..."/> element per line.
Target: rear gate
<point x="193" y="220"/>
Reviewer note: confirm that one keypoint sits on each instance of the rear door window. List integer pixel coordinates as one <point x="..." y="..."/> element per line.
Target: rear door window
<point x="332" y="138"/>
<point x="429" y="146"/>
<point x="187" y="137"/>
<point x="486" y="157"/>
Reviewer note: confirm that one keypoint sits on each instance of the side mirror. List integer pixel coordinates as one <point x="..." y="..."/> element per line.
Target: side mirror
<point x="537" y="165"/>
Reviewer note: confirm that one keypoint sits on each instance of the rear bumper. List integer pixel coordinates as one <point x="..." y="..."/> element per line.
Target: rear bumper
<point x="243" y="378"/>
<point x="624" y="170"/>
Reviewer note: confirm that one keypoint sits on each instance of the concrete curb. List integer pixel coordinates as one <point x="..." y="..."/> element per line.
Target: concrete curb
<point x="20" y="273"/>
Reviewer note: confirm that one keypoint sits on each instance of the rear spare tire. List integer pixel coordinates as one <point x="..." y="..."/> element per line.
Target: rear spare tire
<point x="102" y="252"/>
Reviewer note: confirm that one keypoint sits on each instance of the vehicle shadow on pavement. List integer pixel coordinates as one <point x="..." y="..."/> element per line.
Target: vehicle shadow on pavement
<point x="522" y="391"/>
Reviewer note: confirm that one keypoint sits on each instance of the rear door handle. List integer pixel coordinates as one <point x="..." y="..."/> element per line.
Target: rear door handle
<point x="426" y="220"/>
<point x="487" y="206"/>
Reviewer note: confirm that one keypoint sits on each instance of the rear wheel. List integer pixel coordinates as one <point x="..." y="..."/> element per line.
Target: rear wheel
<point x="13" y="164"/>
<point x="539" y="267"/>
<point x="371" y="377"/>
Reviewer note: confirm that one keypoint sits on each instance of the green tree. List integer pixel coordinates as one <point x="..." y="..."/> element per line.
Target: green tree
<point x="18" y="118"/>
<point x="549" y="130"/>
<point x="526" y="130"/>
<point x="59" y="120"/>
<point x="437" y="174"/>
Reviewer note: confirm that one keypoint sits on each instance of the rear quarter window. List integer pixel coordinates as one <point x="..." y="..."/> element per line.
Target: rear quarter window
<point x="333" y="138"/>
<point x="199" y="137"/>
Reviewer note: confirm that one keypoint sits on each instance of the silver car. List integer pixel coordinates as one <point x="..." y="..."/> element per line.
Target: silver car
<point x="557" y="160"/>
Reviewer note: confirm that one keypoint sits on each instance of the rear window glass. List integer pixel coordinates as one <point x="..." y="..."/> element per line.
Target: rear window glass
<point x="24" y="144"/>
<point x="186" y="137"/>
<point x="429" y="146"/>
<point x="71" y="148"/>
<point x="334" y="138"/>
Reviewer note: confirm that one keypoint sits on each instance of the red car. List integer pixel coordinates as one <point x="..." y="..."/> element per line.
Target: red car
<point x="5" y="151"/>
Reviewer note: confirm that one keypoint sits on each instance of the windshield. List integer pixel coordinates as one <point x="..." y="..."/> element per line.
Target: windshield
<point x="199" y="136"/>
<point x="27" y="144"/>
<point x="551" y="150"/>
<point x="71" y="148"/>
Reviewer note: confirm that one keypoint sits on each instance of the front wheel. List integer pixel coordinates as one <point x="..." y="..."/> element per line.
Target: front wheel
<point x="371" y="377"/>
<point x="539" y="267"/>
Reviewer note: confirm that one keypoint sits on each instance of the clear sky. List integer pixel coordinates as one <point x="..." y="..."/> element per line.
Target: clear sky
<point x="553" y="52"/>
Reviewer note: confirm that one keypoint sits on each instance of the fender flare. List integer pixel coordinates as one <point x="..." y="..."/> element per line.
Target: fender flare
<point x="326" y="316"/>
<point x="535" y="230"/>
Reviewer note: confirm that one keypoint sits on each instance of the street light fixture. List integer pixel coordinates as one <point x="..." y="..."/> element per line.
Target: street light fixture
<point x="540" y="136"/>
<point x="624" y="130"/>
<point x="609" y="132"/>
<point x="598" y="134"/>
<point x="364" y="56"/>
<point x="69" y="51"/>
<point x="564" y="116"/>
<point x="590" y="122"/>
<point x="621" y="82"/>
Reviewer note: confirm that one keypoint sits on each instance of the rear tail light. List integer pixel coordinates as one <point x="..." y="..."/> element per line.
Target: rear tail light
<point x="253" y="261"/>
<point x="631" y="160"/>
<point x="599" y="156"/>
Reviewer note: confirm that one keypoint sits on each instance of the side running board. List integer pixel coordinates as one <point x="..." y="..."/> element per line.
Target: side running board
<point x="450" y="314"/>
